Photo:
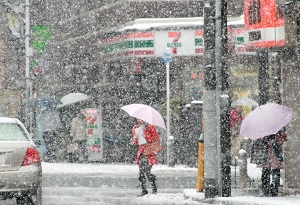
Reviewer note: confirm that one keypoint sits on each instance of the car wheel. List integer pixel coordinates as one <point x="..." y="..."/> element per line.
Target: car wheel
<point x="36" y="197"/>
<point x="31" y="198"/>
<point x="23" y="200"/>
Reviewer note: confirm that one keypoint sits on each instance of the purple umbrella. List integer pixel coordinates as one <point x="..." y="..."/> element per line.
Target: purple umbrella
<point x="265" y="120"/>
<point x="145" y="113"/>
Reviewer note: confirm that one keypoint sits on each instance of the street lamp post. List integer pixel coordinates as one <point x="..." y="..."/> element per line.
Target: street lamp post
<point x="168" y="109"/>
<point x="28" y="54"/>
<point x="167" y="58"/>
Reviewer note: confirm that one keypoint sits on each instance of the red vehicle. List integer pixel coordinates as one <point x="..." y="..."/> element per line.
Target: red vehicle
<point x="264" y="24"/>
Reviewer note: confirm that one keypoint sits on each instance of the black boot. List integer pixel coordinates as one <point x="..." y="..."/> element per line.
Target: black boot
<point x="153" y="184"/>
<point x="144" y="192"/>
<point x="143" y="186"/>
<point x="154" y="188"/>
<point x="275" y="182"/>
<point x="265" y="179"/>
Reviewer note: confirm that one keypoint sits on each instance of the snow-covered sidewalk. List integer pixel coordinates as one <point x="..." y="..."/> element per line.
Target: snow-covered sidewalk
<point x="165" y="196"/>
<point x="242" y="200"/>
<point x="244" y="197"/>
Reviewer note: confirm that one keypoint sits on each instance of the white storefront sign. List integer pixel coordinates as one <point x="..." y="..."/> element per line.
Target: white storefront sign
<point x="180" y="42"/>
<point x="154" y="43"/>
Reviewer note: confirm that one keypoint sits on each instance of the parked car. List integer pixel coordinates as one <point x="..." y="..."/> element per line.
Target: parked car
<point x="20" y="164"/>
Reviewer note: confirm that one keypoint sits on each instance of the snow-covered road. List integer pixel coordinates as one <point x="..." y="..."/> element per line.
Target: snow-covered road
<point x="66" y="183"/>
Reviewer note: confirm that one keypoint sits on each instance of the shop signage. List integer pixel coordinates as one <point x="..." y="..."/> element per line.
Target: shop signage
<point x="94" y="133"/>
<point x="239" y="40"/>
<point x="132" y="44"/>
<point x="179" y="42"/>
<point x="265" y="29"/>
<point x="199" y="44"/>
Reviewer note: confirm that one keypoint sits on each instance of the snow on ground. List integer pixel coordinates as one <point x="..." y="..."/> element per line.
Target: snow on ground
<point x="246" y="200"/>
<point x="165" y="198"/>
<point x="253" y="172"/>
<point x="92" y="168"/>
<point x="87" y="168"/>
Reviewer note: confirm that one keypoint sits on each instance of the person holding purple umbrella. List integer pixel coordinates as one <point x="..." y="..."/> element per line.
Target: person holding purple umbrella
<point x="267" y="154"/>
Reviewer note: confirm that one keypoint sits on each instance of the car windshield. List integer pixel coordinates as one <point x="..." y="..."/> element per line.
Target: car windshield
<point x="12" y="132"/>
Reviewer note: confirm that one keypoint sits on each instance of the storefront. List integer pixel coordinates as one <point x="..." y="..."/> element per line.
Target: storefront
<point x="135" y="51"/>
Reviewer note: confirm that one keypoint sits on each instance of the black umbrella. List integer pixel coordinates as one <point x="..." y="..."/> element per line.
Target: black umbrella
<point x="44" y="101"/>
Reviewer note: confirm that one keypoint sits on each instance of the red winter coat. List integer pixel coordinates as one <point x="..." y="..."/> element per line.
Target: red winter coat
<point x="235" y="118"/>
<point x="235" y="122"/>
<point x="150" y="135"/>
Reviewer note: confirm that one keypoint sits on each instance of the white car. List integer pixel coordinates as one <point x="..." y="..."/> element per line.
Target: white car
<point x="20" y="164"/>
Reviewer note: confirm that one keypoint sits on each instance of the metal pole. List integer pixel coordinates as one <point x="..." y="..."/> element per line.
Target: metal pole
<point x="218" y="65"/>
<point x="27" y="63"/>
<point x="209" y="99"/>
<point x="225" y="140"/>
<point x="263" y="77"/>
<point x="168" y="108"/>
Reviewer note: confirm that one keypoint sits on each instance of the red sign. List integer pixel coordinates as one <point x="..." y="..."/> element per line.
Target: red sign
<point x="264" y="24"/>
<point x="94" y="149"/>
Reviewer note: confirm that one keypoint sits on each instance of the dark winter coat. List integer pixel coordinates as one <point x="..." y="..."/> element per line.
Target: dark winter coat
<point x="267" y="152"/>
<point x="259" y="152"/>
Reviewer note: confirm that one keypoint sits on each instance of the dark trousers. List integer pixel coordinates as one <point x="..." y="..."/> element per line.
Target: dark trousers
<point x="145" y="171"/>
<point x="267" y="187"/>
<point x="82" y="149"/>
<point x="51" y="145"/>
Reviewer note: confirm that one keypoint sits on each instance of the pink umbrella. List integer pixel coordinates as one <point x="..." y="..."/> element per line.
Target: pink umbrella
<point x="145" y="113"/>
<point x="265" y="120"/>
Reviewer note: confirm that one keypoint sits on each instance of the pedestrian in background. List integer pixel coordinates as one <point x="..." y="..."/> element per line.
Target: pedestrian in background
<point x="143" y="133"/>
<point x="48" y="128"/>
<point x="236" y="119"/>
<point x="267" y="154"/>
<point x="79" y="136"/>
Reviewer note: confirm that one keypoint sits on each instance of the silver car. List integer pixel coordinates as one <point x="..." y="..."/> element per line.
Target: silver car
<point x="20" y="164"/>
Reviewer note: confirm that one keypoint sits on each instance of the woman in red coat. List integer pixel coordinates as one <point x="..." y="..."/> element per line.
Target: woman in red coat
<point x="236" y="119"/>
<point x="143" y="133"/>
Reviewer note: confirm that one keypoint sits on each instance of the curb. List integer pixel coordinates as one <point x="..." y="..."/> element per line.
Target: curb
<point x="200" y="196"/>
